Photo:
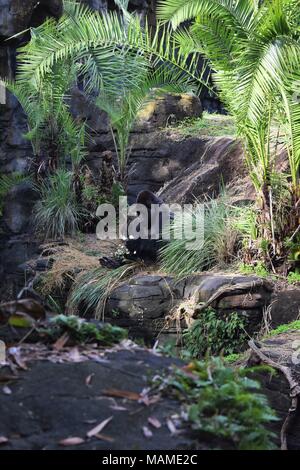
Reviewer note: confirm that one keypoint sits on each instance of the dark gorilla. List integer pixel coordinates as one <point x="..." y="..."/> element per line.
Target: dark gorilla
<point x="143" y="249"/>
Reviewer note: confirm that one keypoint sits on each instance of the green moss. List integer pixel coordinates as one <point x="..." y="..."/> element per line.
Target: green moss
<point x="83" y="331"/>
<point x="214" y="125"/>
<point x="293" y="278"/>
<point x="295" y="325"/>
<point x="232" y="358"/>
<point x="222" y="402"/>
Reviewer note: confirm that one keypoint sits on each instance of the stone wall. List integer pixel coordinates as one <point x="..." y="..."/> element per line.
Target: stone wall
<point x="154" y="161"/>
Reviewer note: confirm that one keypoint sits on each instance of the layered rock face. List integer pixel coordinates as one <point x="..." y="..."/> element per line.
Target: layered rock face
<point x="17" y="242"/>
<point x="156" y="158"/>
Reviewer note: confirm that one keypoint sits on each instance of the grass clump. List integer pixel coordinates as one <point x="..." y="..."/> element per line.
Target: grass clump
<point x="258" y="269"/>
<point x="57" y="213"/>
<point x="219" y="245"/>
<point x="85" y="332"/>
<point x="68" y="262"/>
<point x="231" y="358"/>
<point x="215" y="125"/>
<point x="295" y="325"/>
<point x="224" y="403"/>
<point x="92" y="288"/>
<point x="215" y="334"/>
<point x="293" y="277"/>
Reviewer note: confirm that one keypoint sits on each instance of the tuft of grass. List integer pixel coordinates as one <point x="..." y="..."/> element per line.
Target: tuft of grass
<point x="215" y="125"/>
<point x="293" y="278"/>
<point x="295" y="325"/>
<point x="92" y="288"/>
<point x="258" y="269"/>
<point x="68" y="263"/>
<point x="223" y="403"/>
<point x="220" y="240"/>
<point x="57" y="213"/>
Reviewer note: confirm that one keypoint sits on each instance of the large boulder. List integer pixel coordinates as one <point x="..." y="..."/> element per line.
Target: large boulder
<point x="285" y="307"/>
<point x="282" y="353"/>
<point x="218" y="162"/>
<point x="168" y="109"/>
<point x="145" y="302"/>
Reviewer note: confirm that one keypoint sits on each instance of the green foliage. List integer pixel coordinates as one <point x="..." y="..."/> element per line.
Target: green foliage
<point x="220" y="239"/>
<point x="215" y="334"/>
<point x="52" y="129"/>
<point x="293" y="277"/>
<point x="254" y="48"/>
<point x="7" y="182"/>
<point x="231" y="358"/>
<point x="116" y="192"/>
<point x="295" y="325"/>
<point x="57" y="212"/>
<point x="92" y="289"/>
<point x="85" y="332"/>
<point x="119" y="61"/>
<point x="209" y="124"/>
<point x="258" y="269"/>
<point x="224" y="404"/>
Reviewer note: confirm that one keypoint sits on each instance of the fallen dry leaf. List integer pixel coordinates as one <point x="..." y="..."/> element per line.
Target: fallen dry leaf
<point x="3" y="440"/>
<point x="89" y="379"/>
<point x="61" y="342"/>
<point x="6" y="390"/>
<point x="146" y="431"/>
<point x="154" y="422"/>
<point x="16" y="354"/>
<point x="71" y="441"/>
<point x="113" y="392"/>
<point x="171" y="426"/>
<point x="103" y="437"/>
<point x="74" y="355"/>
<point x="97" y="429"/>
<point x="118" y="408"/>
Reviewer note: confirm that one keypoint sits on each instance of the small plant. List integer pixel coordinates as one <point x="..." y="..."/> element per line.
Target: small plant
<point x="92" y="288"/>
<point x="258" y="269"/>
<point x="231" y="358"/>
<point x="295" y="325"/>
<point x="293" y="277"/>
<point x="85" y="332"/>
<point x="57" y="213"/>
<point x="220" y="240"/>
<point x="209" y="124"/>
<point x="222" y="404"/>
<point x="215" y="334"/>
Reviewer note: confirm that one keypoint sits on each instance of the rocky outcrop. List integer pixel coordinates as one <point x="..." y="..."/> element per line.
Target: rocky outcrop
<point x="281" y="352"/>
<point x="285" y="307"/>
<point x="66" y="404"/>
<point x="144" y="303"/>
<point x="216" y="162"/>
